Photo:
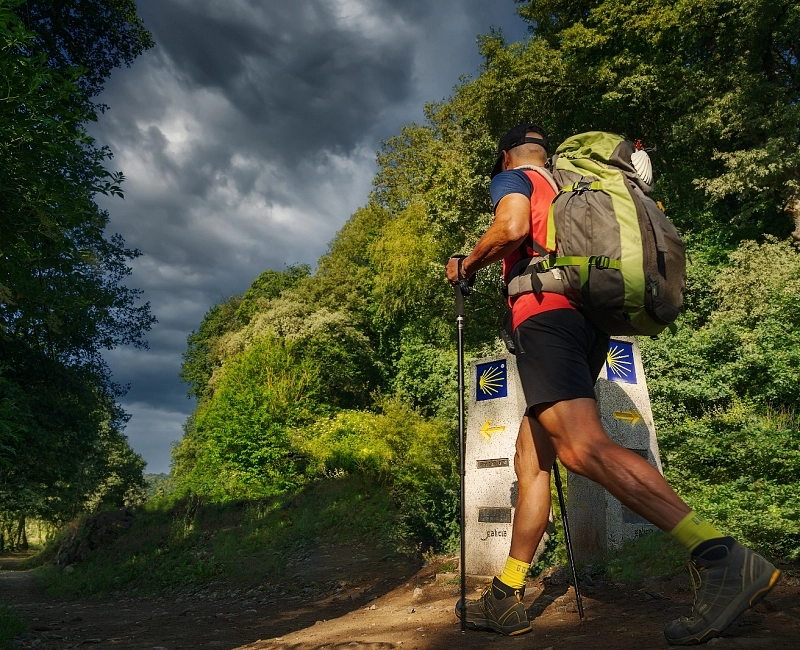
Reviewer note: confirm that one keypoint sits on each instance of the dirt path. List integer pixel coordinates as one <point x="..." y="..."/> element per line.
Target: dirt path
<point x="379" y="606"/>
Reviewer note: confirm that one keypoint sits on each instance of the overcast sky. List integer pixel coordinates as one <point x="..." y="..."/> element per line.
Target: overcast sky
<point x="247" y="137"/>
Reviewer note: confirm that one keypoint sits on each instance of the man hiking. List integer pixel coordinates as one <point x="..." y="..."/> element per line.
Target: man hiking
<point x="559" y="354"/>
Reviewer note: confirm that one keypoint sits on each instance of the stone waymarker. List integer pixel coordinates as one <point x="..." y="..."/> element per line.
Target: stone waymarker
<point x="598" y="522"/>
<point x="496" y="405"/>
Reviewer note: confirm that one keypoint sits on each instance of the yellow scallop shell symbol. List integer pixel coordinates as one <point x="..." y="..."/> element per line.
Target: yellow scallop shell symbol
<point x="491" y="381"/>
<point x="619" y="362"/>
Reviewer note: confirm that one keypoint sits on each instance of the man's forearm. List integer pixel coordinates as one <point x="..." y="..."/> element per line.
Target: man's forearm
<point x="486" y="252"/>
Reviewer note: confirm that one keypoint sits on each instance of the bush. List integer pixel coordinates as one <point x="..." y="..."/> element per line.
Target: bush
<point x="417" y="458"/>
<point x="724" y="392"/>
<point x="238" y="444"/>
<point x="741" y="470"/>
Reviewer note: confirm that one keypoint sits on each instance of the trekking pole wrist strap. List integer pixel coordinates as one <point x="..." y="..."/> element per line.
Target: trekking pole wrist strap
<point x="464" y="282"/>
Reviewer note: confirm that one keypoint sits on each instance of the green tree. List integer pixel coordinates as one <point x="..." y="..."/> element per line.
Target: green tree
<point x="93" y="35"/>
<point x="237" y="444"/>
<point x="746" y="349"/>
<point x="268" y="286"/>
<point x="712" y="85"/>
<point x="202" y="356"/>
<point x="346" y="273"/>
<point x="62" y="300"/>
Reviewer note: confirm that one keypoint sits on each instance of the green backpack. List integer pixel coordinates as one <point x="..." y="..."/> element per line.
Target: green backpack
<point x="619" y="259"/>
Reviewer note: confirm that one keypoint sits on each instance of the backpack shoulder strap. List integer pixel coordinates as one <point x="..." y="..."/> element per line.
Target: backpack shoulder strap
<point x="548" y="177"/>
<point x="544" y="173"/>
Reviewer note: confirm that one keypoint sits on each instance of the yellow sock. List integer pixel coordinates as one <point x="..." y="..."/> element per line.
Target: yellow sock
<point x="514" y="573"/>
<point x="693" y="530"/>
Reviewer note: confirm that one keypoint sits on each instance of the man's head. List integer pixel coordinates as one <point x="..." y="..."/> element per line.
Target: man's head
<point x="523" y="144"/>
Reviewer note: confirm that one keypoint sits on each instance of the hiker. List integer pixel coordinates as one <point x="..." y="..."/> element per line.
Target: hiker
<point x="559" y="354"/>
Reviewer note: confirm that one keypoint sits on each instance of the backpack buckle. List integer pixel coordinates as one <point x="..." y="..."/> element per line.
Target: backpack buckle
<point x="541" y="266"/>
<point x="600" y="261"/>
<point x="581" y="186"/>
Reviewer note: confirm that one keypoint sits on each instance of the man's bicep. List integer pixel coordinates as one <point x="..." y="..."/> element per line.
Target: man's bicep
<point x="513" y="213"/>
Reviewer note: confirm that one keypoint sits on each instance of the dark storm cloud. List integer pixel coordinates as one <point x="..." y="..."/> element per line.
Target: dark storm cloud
<point x="247" y="137"/>
<point x="302" y="76"/>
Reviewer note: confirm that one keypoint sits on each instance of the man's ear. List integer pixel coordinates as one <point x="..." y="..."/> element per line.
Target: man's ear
<point x="506" y="161"/>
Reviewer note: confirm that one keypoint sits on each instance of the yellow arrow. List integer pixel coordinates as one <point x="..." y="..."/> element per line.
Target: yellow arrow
<point x="487" y="430"/>
<point x="632" y="416"/>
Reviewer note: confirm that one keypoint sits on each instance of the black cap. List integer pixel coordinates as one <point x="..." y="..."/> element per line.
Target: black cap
<point x="515" y="137"/>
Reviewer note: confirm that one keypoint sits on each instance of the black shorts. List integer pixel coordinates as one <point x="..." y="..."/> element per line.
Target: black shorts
<point x="559" y="356"/>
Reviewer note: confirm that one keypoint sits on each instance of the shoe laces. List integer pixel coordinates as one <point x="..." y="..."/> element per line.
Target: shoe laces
<point x="696" y="576"/>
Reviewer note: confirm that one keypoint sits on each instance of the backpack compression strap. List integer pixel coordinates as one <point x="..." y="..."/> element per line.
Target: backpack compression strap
<point x="534" y="275"/>
<point x="593" y="261"/>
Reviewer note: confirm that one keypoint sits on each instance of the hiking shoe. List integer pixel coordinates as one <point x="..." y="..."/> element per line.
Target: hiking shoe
<point x="725" y="586"/>
<point x="499" y="608"/>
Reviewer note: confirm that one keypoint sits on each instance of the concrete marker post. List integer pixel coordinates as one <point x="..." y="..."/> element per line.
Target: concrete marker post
<point x="599" y="522"/>
<point x="496" y="407"/>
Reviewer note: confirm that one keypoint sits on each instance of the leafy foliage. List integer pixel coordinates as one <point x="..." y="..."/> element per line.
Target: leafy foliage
<point x="725" y="398"/>
<point x="94" y="35"/>
<point x="62" y="297"/>
<point x="202" y="356"/>
<point x="238" y="443"/>
<point x="713" y="85"/>
<point x="418" y="458"/>
<point x="267" y="286"/>
<point x="741" y="470"/>
<point x="745" y="348"/>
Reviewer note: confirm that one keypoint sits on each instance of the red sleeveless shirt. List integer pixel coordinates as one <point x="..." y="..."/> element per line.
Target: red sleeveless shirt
<point x="530" y="304"/>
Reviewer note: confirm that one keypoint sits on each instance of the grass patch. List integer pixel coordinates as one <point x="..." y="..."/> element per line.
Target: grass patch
<point x="10" y="626"/>
<point x="187" y="544"/>
<point x="652" y="555"/>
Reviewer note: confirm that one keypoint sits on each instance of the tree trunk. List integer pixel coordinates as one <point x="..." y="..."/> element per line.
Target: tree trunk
<point x="20" y="534"/>
<point x="793" y="208"/>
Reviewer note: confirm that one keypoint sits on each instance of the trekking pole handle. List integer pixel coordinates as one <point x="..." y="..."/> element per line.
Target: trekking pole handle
<point x="459" y="300"/>
<point x="463" y="286"/>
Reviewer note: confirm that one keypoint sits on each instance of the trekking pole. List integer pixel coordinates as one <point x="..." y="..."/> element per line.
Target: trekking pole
<point x="461" y="444"/>
<point x="567" y="541"/>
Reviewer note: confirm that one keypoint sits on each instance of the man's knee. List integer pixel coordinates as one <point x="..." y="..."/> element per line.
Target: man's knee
<point x="573" y="458"/>
<point x="582" y="457"/>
